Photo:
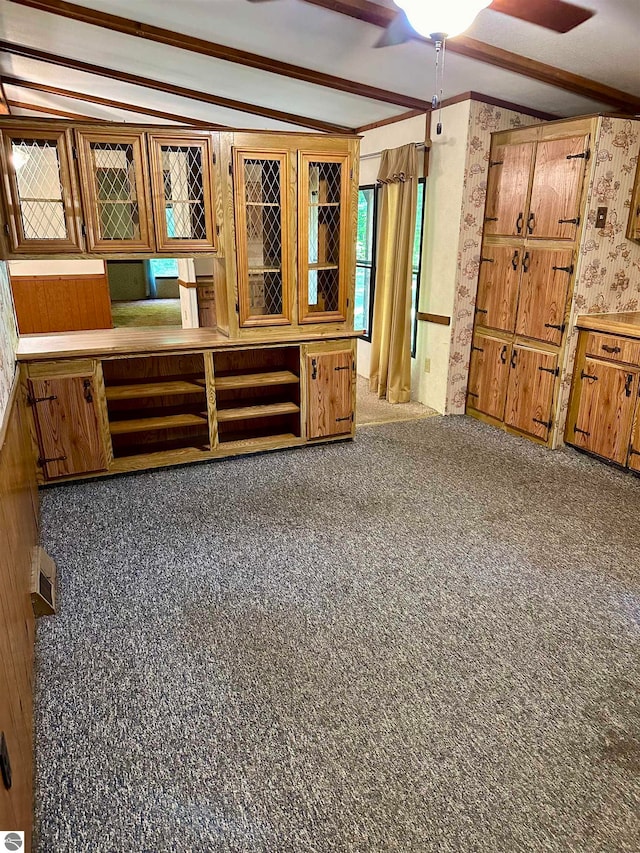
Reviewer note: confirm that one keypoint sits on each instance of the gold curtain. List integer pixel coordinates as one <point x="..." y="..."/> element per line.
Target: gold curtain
<point x="390" y="373"/>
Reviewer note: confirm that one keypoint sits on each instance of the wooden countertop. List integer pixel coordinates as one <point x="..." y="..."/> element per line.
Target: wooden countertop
<point x="627" y="323"/>
<point x="109" y="342"/>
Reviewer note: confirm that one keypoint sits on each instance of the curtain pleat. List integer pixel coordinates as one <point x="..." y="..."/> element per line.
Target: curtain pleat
<point x="390" y="372"/>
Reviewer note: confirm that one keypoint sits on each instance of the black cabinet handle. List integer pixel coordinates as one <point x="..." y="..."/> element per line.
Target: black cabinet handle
<point x="611" y="349"/>
<point x="88" y="396"/>
<point x="503" y="354"/>
<point x="514" y="260"/>
<point x="519" y="222"/>
<point x="627" y="384"/>
<point x="531" y="223"/>
<point x="514" y="358"/>
<point x="525" y="262"/>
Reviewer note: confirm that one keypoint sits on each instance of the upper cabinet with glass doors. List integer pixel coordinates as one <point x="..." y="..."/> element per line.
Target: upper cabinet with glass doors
<point x="323" y="245"/>
<point x="40" y="190"/>
<point x="115" y="182"/>
<point x="264" y="240"/>
<point x="182" y="187"/>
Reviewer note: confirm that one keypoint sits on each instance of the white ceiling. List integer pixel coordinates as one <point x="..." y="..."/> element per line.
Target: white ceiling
<point x="603" y="49"/>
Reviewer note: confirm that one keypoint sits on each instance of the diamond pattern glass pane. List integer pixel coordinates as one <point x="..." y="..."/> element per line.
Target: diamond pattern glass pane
<point x="37" y="166"/>
<point x="324" y="236"/>
<point x="264" y="236"/>
<point x="114" y="169"/>
<point x="184" y="192"/>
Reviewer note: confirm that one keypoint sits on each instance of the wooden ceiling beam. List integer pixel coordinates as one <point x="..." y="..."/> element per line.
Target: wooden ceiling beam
<point x="381" y="16"/>
<point x="39" y="108"/>
<point x="169" y="88"/>
<point x="103" y="102"/>
<point x="193" y="44"/>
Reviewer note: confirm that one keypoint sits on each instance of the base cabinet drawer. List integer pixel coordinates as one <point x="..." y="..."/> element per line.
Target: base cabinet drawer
<point x="613" y="348"/>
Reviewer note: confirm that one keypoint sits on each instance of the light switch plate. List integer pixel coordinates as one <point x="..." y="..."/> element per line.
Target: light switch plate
<point x="601" y="217"/>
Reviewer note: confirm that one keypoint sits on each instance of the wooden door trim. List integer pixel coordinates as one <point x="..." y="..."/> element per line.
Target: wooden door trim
<point x="155" y="141"/>
<point x="95" y="243"/>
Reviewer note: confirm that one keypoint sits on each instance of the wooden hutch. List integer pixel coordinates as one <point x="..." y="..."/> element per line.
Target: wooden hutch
<point x="275" y="212"/>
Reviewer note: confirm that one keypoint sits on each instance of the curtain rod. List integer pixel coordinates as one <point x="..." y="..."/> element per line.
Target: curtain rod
<point x="421" y="146"/>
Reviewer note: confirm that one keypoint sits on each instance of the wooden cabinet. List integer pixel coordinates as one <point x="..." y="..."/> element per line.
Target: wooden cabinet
<point x="116" y="191"/>
<point x="607" y="398"/>
<point x="69" y="423"/>
<point x="532" y="375"/>
<point x="323" y="192"/>
<point x="543" y="292"/>
<point x="490" y="359"/>
<point x="264" y="238"/>
<point x="498" y="287"/>
<point x="182" y="186"/>
<point x="556" y="191"/>
<point x="634" y="447"/>
<point x="41" y="192"/>
<point x="633" y="225"/>
<point x="508" y="189"/>
<point x="330" y="377"/>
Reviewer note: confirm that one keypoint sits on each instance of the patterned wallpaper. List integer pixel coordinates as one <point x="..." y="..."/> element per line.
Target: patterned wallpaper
<point x="484" y="119"/>
<point x="608" y="271"/>
<point x="8" y="340"/>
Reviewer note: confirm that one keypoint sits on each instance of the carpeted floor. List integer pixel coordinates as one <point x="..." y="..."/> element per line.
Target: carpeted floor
<point x="424" y="640"/>
<point x="371" y="409"/>
<point x="147" y="312"/>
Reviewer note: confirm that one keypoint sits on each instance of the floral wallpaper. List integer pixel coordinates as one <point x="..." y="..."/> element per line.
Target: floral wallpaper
<point x="484" y="119"/>
<point x="608" y="269"/>
<point x="8" y="339"/>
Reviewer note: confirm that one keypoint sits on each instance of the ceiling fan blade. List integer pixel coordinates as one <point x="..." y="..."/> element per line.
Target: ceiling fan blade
<point x="551" y="14"/>
<point x="399" y="31"/>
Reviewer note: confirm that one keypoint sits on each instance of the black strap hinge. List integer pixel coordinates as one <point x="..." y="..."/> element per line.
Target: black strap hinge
<point x="584" y="155"/>
<point x="346" y="367"/>
<point x="42" y="460"/>
<point x="6" y="227"/>
<point x="33" y="400"/>
<point x="560" y="327"/>
<point x="568" y="269"/>
<point x="487" y="260"/>
<point x="633" y="451"/>
<point x="590" y="376"/>
<point x="491" y="219"/>
<point x="477" y="349"/>
<point x="581" y="431"/>
<point x="348" y="418"/>
<point x="482" y="311"/>
<point x="554" y="371"/>
<point x="547" y="424"/>
<point x="496" y="163"/>
<point x="472" y="394"/>
<point x="213" y="157"/>
<point x="574" y="221"/>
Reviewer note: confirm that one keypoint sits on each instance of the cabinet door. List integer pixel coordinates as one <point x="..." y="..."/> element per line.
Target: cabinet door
<point x="498" y="287"/>
<point x="115" y="187"/>
<point x="182" y="192"/>
<point x="544" y="285"/>
<point x="507" y="189"/>
<point x="323" y="193"/>
<point x="633" y="226"/>
<point x="488" y="375"/>
<point x="40" y="190"/>
<point x="556" y="190"/>
<point x="263" y="239"/>
<point x="532" y="377"/>
<point x="70" y="436"/>
<point x="329" y="400"/>
<point x="634" y="447"/>
<point x="605" y="410"/>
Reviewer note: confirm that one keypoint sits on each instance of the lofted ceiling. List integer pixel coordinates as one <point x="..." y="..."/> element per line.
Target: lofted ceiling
<point x="52" y="64"/>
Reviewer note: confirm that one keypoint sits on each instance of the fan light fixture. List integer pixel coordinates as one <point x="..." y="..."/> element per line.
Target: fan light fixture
<point x="440" y="21"/>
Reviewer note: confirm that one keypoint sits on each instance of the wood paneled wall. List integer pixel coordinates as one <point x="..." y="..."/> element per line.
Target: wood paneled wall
<point x="60" y="303"/>
<point x="18" y="536"/>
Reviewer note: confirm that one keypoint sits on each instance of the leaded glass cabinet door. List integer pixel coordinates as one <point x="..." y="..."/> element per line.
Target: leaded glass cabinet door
<point x="323" y="183"/>
<point x="115" y="183"/>
<point x="182" y="192"/>
<point x="41" y="191"/>
<point x="263" y="243"/>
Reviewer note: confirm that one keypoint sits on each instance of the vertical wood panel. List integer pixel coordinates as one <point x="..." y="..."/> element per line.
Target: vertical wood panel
<point x="498" y="287"/>
<point x="508" y="186"/>
<point x="488" y="375"/>
<point x="329" y="404"/>
<point x="543" y="294"/>
<point x="18" y="535"/>
<point x="557" y="188"/>
<point x="530" y="391"/>
<point x="61" y="303"/>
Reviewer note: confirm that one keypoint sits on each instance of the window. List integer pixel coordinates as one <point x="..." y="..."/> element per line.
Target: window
<point x="365" y="259"/>
<point x="163" y="267"/>
<point x="417" y="265"/>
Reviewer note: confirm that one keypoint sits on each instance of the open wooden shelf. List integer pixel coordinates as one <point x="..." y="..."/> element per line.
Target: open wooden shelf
<point x="263" y="442"/>
<point x="255" y="380"/>
<point x="143" y="424"/>
<point x="321" y="266"/>
<point x="242" y="413"/>
<point x="167" y="388"/>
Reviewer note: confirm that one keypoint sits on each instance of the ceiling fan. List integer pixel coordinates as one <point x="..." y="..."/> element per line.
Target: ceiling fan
<point x="411" y="19"/>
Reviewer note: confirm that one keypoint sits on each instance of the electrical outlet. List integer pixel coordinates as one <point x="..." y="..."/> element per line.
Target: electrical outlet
<point x="601" y="217"/>
<point x="427" y="365"/>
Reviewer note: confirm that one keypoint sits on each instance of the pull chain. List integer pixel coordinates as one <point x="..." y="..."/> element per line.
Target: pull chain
<point x="436" y="101"/>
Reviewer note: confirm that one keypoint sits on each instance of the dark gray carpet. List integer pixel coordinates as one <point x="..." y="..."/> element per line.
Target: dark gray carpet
<point x="426" y="640"/>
